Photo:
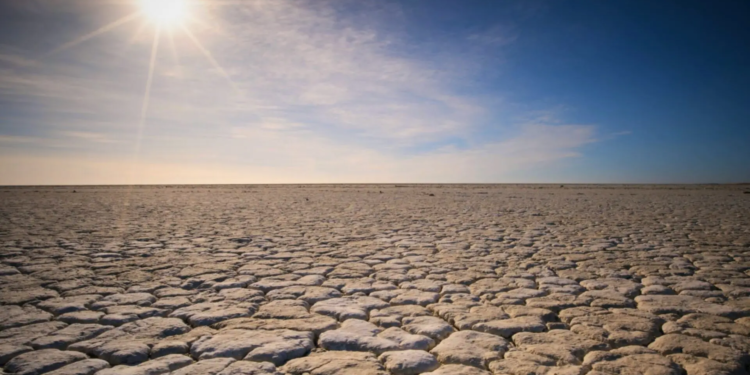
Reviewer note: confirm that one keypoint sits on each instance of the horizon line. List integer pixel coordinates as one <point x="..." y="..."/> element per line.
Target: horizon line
<point x="396" y="184"/>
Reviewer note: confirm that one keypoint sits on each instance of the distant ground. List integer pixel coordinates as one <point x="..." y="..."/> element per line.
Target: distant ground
<point x="375" y="279"/>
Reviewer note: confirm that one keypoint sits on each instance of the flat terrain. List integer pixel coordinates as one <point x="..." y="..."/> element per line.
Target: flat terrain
<point x="375" y="279"/>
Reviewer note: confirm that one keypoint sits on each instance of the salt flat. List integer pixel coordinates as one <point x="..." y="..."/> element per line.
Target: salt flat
<point x="375" y="279"/>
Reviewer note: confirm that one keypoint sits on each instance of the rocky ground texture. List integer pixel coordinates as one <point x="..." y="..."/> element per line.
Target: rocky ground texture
<point x="368" y="279"/>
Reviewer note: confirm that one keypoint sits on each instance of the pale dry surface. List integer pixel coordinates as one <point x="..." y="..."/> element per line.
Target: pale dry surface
<point x="375" y="279"/>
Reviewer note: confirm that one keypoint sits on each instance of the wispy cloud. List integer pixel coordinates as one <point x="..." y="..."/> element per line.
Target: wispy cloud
<point x="12" y="139"/>
<point x="317" y="94"/>
<point x="88" y="136"/>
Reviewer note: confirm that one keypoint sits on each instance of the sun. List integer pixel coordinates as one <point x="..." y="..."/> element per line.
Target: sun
<point x="165" y="13"/>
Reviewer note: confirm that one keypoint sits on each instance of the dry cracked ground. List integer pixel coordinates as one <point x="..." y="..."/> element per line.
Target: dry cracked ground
<point x="466" y="280"/>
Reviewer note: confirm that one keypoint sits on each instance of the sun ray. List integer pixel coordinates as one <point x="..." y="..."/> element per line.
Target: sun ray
<point x="147" y="93"/>
<point x="206" y="22"/>
<point x="175" y="54"/>
<point x="92" y="34"/>
<point x="138" y="32"/>
<point x="141" y="121"/>
<point x="211" y="59"/>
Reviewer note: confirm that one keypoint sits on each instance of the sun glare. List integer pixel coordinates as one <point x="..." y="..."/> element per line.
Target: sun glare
<point x="165" y="12"/>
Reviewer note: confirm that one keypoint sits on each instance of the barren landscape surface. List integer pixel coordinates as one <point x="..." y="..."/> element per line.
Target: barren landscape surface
<point x="375" y="279"/>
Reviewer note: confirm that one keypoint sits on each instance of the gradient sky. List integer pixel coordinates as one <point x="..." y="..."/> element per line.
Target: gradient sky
<point x="376" y="91"/>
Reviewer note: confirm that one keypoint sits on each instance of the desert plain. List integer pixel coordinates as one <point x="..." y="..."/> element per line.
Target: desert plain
<point x="375" y="279"/>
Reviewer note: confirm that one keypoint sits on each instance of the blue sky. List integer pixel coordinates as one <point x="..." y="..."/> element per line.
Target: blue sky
<point x="375" y="91"/>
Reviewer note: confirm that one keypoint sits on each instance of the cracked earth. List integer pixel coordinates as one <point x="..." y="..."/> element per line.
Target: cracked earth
<point x="324" y="280"/>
